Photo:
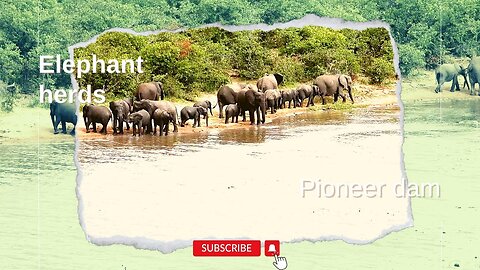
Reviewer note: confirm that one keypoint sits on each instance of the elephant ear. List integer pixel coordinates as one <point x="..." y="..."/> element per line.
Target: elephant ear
<point x="342" y="79"/>
<point x="279" y="78"/>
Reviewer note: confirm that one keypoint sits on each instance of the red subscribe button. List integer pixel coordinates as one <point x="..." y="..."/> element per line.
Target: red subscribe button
<point x="226" y="248"/>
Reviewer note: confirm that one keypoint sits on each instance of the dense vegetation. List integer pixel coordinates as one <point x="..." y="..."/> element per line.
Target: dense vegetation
<point x="201" y="60"/>
<point x="427" y="31"/>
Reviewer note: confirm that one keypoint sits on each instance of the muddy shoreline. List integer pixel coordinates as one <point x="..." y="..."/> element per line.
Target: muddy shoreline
<point x="385" y="98"/>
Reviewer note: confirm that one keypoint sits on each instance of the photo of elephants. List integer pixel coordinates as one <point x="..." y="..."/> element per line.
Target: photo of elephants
<point x="134" y="194"/>
<point x="218" y="114"/>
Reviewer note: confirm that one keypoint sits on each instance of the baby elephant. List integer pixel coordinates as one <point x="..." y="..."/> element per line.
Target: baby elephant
<point x="140" y="119"/>
<point x="232" y="111"/>
<point x="193" y="113"/>
<point x="162" y="119"/>
<point x="93" y="114"/>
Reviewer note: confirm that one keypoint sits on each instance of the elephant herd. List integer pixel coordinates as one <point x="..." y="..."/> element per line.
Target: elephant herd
<point x="265" y="95"/>
<point x="450" y="72"/>
<point x="147" y="110"/>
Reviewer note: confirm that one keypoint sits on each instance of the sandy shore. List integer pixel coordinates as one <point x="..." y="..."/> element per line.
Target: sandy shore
<point x="364" y="96"/>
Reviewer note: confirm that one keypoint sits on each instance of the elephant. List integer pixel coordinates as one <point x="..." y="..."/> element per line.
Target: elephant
<point x="206" y="104"/>
<point x="151" y="91"/>
<point x="227" y="94"/>
<point x="269" y="81"/>
<point x="273" y="98"/>
<point x="93" y="114"/>
<point x="450" y="72"/>
<point x="289" y="95"/>
<point x="306" y="91"/>
<point x="232" y="111"/>
<point x="193" y="113"/>
<point x="162" y="119"/>
<point x="120" y="110"/>
<point x="63" y="113"/>
<point x="252" y="101"/>
<point x="140" y="120"/>
<point x="329" y="85"/>
<point x="473" y="71"/>
<point x="151" y="105"/>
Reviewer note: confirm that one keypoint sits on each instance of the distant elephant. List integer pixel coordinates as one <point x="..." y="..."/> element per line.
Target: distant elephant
<point x="273" y="99"/>
<point x="93" y="114"/>
<point x="306" y="91"/>
<point x="205" y="104"/>
<point x="140" y="120"/>
<point x="333" y="85"/>
<point x="289" y="96"/>
<point x="252" y="101"/>
<point x="150" y="106"/>
<point x="193" y="113"/>
<point x="63" y="113"/>
<point x="151" y="91"/>
<point x="269" y="81"/>
<point x="162" y="119"/>
<point x="227" y="94"/>
<point x="450" y="72"/>
<point x="474" y="74"/>
<point x="232" y="111"/>
<point x="120" y="110"/>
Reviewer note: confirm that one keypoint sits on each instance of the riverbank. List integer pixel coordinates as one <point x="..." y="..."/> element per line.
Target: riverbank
<point x="33" y="125"/>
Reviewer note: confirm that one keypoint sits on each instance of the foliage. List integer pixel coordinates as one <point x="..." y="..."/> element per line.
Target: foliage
<point x="379" y="70"/>
<point x="8" y="94"/>
<point x="410" y="58"/>
<point x="201" y="60"/>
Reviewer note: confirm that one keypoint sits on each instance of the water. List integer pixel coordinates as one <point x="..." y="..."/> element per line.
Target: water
<point x="262" y="163"/>
<point x="40" y="220"/>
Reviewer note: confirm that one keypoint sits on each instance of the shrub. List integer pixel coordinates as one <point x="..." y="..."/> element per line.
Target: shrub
<point x="379" y="71"/>
<point x="411" y="58"/>
<point x="8" y="94"/>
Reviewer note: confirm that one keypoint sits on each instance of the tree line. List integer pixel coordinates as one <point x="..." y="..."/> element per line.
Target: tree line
<point x="203" y="59"/>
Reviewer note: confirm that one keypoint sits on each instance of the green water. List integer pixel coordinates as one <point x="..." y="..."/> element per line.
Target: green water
<point x="40" y="228"/>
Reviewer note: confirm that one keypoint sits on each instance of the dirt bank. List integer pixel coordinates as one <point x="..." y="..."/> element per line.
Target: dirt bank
<point x="364" y="96"/>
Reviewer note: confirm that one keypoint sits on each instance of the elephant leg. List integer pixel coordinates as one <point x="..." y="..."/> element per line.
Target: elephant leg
<point x="252" y="116"/>
<point x="115" y="120"/>
<point x="220" y="109"/>
<point x="134" y="129"/>
<point x="258" y="116"/>
<point x="335" y="97"/>
<point x="155" y="129"/>
<point x="64" y="127"/>
<point x="55" y="125"/>
<point x="120" y="125"/>
<point x="73" y="130"/>
<point x="226" y="118"/>
<point x="311" y="100"/>
<point x="128" y="126"/>
<point x="343" y="96"/>
<point x="457" y="85"/>
<point x="175" y="128"/>
<point x="472" y="85"/>
<point x="94" y="127"/>
<point x="454" y="83"/>
<point x="350" y="95"/>
<point x="323" y="99"/>
<point x="244" y="115"/>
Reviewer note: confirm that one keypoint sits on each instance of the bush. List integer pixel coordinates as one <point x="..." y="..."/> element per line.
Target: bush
<point x="411" y="59"/>
<point x="379" y="71"/>
<point x="8" y="94"/>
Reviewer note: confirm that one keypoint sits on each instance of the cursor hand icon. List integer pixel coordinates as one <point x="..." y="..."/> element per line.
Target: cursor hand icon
<point x="280" y="263"/>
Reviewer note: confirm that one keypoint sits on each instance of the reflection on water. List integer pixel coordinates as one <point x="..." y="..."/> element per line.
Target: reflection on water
<point x="280" y="128"/>
<point x="464" y="113"/>
<point x="24" y="162"/>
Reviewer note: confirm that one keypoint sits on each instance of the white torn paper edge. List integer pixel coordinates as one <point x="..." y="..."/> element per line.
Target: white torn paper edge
<point x="142" y="239"/>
